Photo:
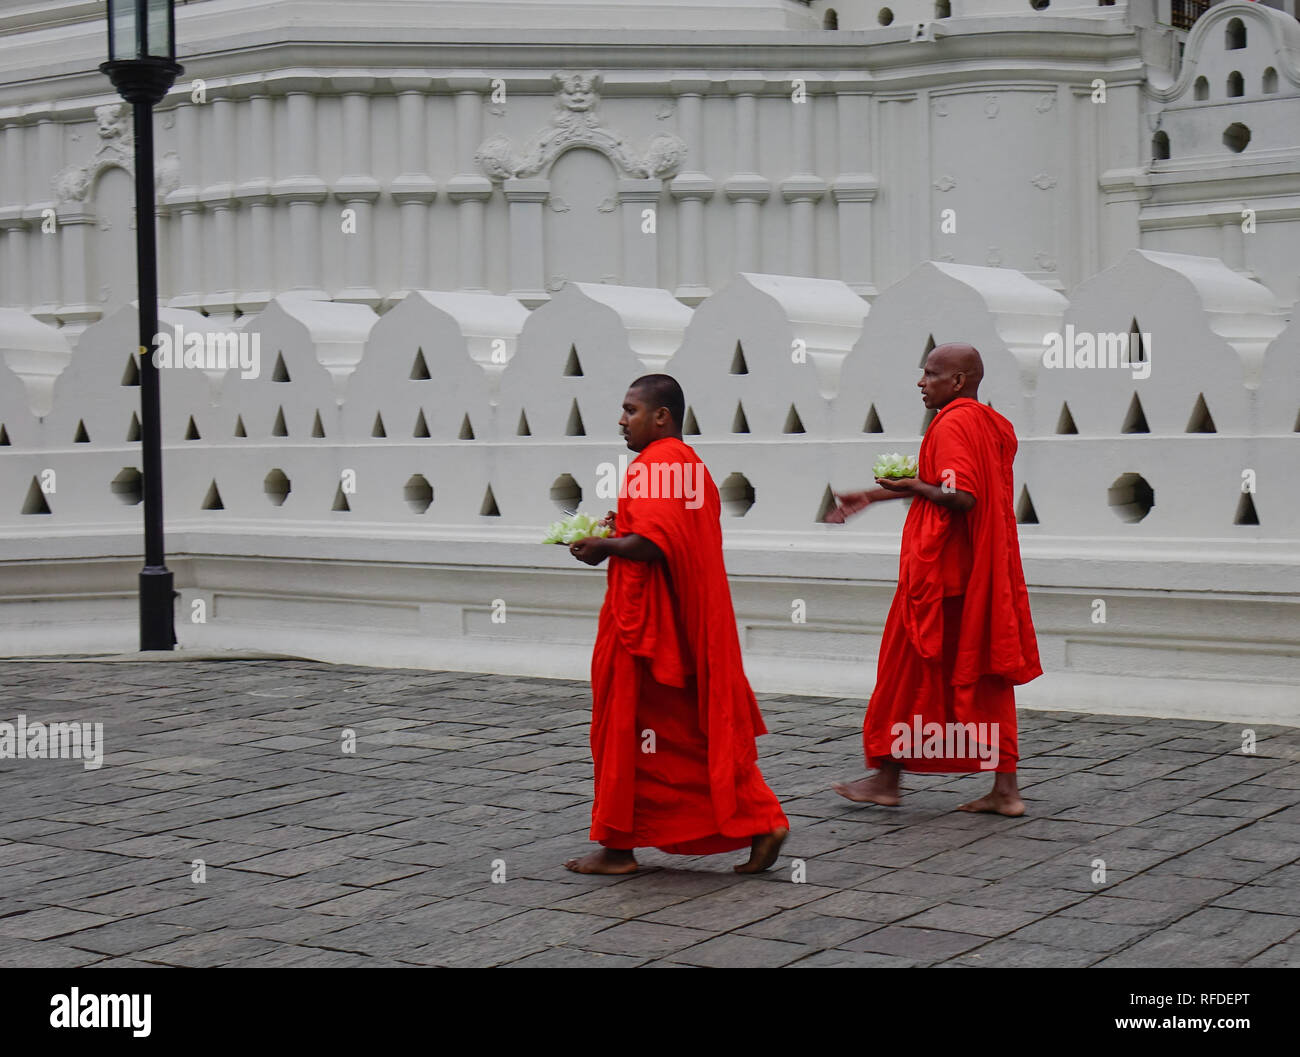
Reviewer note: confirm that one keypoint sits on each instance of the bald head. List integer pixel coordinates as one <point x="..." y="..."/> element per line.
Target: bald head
<point x="951" y="371"/>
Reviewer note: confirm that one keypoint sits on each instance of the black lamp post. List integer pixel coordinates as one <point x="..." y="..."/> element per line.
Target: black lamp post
<point x="142" y="66"/>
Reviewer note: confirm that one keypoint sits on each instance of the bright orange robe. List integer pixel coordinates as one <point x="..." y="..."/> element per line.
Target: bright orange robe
<point x="666" y="674"/>
<point x="959" y="635"/>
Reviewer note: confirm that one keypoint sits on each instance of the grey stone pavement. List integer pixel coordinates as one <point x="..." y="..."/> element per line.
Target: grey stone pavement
<point x="385" y="856"/>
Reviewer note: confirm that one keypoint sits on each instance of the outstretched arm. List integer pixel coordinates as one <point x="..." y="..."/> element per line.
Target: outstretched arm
<point x="951" y="498"/>
<point x="851" y="503"/>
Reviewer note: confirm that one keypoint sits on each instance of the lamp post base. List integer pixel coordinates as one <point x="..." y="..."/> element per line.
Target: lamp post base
<point x="157" y="630"/>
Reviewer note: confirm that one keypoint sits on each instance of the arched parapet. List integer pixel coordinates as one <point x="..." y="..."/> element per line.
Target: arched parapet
<point x="1272" y="40"/>
<point x="37" y="354"/>
<point x="18" y="426"/>
<point x="1001" y="312"/>
<point x="655" y="322"/>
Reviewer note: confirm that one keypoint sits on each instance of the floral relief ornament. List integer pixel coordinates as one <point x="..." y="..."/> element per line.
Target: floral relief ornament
<point x="575" y="123"/>
<point x="72" y="183"/>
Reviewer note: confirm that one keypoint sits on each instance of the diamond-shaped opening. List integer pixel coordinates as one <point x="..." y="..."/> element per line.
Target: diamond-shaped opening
<point x="1201" y="420"/>
<point x="1065" y="422"/>
<point x="738" y="363"/>
<point x="691" y="428"/>
<point x="572" y="365"/>
<point x="278" y="428"/>
<point x="35" y="502"/>
<point x="737" y="494"/>
<point x="1131" y="497"/>
<point x="280" y="372"/>
<point x="1025" y="512"/>
<point x="1136" y="420"/>
<point x="739" y="423"/>
<point x="574" y="428"/>
<point x="872" y="424"/>
<point x="128" y="486"/>
<point x="489" y="507"/>
<point x="419" y="368"/>
<point x="133" y="429"/>
<point x="793" y="423"/>
<point x="566" y="493"/>
<point x="466" y="429"/>
<point x="418" y="493"/>
<point x="212" y="501"/>
<point x="1246" y="513"/>
<point x="192" y="430"/>
<point x="81" y="436"/>
<point x="421" y="428"/>
<point x="276" y="486"/>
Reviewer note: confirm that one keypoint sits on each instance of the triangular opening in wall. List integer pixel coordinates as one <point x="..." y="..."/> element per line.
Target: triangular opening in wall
<point x="489" y="507"/>
<point x="573" y="428"/>
<point x="212" y="501"/>
<point x="929" y="348"/>
<point x="1065" y="423"/>
<point x="690" y="427"/>
<point x="827" y="504"/>
<point x="572" y="365"/>
<point x="35" y="502"/>
<point x="466" y="429"/>
<point x="1201" y="421"/>
<point x="872" y="424"/>
<point x="240" y="431"/>
<point x="281" y="372"/>
<point x="279" y="428"/>
<point x="191" y="430"/>
<point x="4" y="436"/>
<point x="133" y="429"/>
<point x="1025" y="512"/>
<point x="341" y="504"/>
<point x="927" y="418"/>
<point x="421" y="429"/>
<point x="793" y="423"/>
<point x="1246" y="513"/>
<point x="420" y="369"/>
<point x="81" y="436"/>
<point x="739" y="423"/>
<point x="523" y="430"/>
<point x="738" y="364"/>
<point x="1137" y="352"/>
<point x="377" y="430"/>
<point x="317" y="427"/>
<point x="131" y="376"/>
<point x="1136" y="420"/>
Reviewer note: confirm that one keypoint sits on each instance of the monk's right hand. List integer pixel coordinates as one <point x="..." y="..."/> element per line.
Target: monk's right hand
<point x="608" y="521"/>
<point x="591" y="550"/>
<point x="849" y="503"/>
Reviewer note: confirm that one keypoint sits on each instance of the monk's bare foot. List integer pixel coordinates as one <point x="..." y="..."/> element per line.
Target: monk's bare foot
<point x="874" y="790"/>
<point x="997" y="804"/>
<point x="763" y="851"/>
<point x="604" y="861"/>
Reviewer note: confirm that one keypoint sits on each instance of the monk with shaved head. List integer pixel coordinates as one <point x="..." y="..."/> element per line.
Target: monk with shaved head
<point x="959" y="636"/>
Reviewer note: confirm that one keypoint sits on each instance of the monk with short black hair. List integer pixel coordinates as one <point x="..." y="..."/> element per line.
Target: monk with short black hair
<point x="673" y="718"/>
<point x="959" y="636"/>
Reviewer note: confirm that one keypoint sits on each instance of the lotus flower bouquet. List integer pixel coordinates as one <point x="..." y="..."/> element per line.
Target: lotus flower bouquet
<point x="574" y="527"/>
<point x="895" y="466"/>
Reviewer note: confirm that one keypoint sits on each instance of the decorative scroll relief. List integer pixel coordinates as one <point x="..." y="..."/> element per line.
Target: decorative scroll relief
<point x="72" y="183"/>
<point x="575" y="123"/>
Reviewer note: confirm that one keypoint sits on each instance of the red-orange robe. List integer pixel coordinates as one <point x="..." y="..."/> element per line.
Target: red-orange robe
<point x="666" y="674"/>
<point x="959" y="635"/>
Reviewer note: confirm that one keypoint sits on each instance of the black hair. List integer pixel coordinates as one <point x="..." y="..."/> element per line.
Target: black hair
<point x="663" y="390"/>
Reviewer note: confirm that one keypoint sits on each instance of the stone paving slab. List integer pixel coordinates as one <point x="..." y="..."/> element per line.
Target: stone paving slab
<point x="227" y="826"/>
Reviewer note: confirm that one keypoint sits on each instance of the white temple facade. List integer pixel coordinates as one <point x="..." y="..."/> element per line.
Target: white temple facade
<point x="454" y="231"/>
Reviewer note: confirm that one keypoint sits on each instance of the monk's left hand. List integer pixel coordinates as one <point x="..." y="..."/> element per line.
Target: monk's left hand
<point x="899" y="484"/>
<point x="591" y="550"/>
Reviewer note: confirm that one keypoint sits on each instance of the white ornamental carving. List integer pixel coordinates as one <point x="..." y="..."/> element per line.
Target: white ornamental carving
<point x="575" y="123"/>
<point x="72" y="183"/>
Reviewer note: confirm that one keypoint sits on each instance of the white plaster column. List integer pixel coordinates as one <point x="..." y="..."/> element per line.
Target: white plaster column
<point x="184" y="211"/>
<point x="527" y="199"/>
<point x="640" y="249"/>
<point x="14" y="238"/>
<point x="257" y="206"/>
<point x="218" y="199"/>
<point x="855" y="188"/>
<point x="802" y="190"/>
<point x="691" y="189"/>
<point x="76" y="220"/>
<point x="413" y="189"/>
<point x="44" y="263"/>
<point x="469" y="189"/>
<point x="302" y="190"/>
<point x="747" y="189"/>
<point x="357" y="191"/>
